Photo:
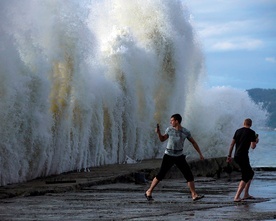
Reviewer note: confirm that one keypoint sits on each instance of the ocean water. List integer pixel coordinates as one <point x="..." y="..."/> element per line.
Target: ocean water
<point x="83" y="84"/>
<point x="264" y="154"/>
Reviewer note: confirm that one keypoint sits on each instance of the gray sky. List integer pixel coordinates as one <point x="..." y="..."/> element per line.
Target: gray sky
<point x="239" y="41"/>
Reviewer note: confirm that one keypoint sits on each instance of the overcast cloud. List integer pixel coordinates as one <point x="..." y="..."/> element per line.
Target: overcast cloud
<point x="239" y="41"/>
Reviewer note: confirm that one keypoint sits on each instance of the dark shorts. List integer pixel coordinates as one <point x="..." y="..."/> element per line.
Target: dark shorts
<point x="246" y="169"/>
<point x="180" y="162"/>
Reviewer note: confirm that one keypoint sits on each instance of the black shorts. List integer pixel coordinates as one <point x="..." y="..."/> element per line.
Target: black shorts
<point x="246" y="169"/>
<point x="180" y="162"/>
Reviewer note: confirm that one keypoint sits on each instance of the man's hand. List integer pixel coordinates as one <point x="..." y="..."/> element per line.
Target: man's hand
<point x="201" y="156"/>
<point x="157" y="130"/>
<point x="229" y="159"/>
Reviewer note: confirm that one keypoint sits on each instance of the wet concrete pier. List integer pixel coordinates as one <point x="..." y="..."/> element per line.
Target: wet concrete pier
<point x="116" y="192"/>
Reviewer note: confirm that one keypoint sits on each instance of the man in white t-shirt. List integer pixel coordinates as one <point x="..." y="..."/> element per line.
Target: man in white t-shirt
<point x="176" y="135"/>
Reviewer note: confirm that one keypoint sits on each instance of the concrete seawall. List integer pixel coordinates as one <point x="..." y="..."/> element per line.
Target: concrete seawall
<point x="214" y="167"/>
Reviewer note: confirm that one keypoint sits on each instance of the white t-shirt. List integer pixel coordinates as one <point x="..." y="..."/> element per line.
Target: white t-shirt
<point x="176" y="140"/>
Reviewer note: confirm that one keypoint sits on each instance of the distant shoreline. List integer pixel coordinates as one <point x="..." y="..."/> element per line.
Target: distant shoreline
<point x="264" y="168"/>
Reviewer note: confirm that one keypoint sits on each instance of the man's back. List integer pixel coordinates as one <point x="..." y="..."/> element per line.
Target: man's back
<point x="243" y="137"/>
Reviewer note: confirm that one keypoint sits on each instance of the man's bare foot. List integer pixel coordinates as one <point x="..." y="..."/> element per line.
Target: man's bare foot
<point x="237" y="200"/>
<point x="198" y="197"/>
<point x="148" y="196"/>
<point x="248" y="197"/>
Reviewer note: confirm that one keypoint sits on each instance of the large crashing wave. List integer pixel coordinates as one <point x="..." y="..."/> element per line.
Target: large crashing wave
<point x="83" y="83"/>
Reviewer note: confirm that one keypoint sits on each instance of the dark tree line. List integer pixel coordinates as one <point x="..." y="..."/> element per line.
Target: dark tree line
<point x="267" y="98"/>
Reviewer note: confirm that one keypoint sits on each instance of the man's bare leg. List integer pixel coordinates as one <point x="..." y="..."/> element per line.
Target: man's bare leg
<point x="239" y="191"/>
<point x="195" y="196"/>
<point x="246" y="191"/>
<point x="191" y="185"/>
<point x="153" y="184"/>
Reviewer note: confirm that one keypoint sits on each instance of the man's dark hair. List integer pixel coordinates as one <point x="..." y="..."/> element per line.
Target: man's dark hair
<point x="177" y="117"/>
<point x="248" y="122"/>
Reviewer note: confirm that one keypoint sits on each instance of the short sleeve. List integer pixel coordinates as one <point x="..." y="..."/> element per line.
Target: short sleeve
<point x="167" y="131"/>
<point x="189" y="134"/>
<point x="253" y="137"/>
<point x="235" y="136"/>
<point x="186" y="132"/>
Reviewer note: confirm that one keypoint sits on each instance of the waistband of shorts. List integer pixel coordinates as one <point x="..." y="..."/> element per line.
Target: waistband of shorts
<point x="174" y="151"/>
